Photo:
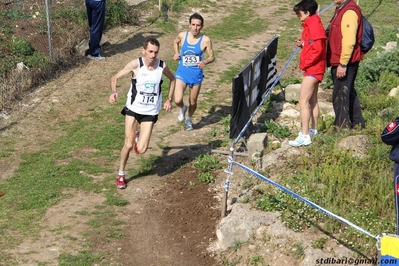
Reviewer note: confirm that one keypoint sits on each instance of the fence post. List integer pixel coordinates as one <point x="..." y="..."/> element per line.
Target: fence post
<point x="50" y="46"/>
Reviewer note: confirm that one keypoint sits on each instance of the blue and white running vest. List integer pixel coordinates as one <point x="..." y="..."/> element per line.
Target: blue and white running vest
<point x="190" y="56"/>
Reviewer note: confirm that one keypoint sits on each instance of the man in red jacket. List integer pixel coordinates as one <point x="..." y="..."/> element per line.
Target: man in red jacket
<point x="344" y="55"/>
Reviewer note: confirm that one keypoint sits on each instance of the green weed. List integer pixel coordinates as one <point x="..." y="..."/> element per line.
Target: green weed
<point x="257" y="260"/>
<point x="320" y="243"/>
<point x="83" y="258"/>
<point x="237" y="245"/>
<point x="118" y="13"/>
<point x="21" y="47"/>
<point x="207" y="163"/>
<point x="299" y="250"/>
<point x="206" y="178"/>
<point x="277" y="130"/>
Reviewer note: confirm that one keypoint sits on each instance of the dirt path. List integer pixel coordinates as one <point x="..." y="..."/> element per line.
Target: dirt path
<point x="167" y="222"/>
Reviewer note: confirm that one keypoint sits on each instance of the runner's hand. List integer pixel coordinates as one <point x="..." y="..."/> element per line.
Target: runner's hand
<point x="168" y="106"/>
<point x="176" y="57"/>
<point x="113" y="97"/>
<point x="201" y="64"/>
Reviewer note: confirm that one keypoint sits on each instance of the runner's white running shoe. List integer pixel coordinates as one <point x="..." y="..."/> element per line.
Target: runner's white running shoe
<point x="182" y="114"/>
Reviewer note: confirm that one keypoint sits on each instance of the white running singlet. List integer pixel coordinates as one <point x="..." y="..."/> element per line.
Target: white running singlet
<point x="145" y="96"/>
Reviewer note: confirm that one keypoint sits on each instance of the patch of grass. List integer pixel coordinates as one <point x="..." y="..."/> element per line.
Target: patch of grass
<point x="320" y="243"/>
<point x="119" y="13"/>
<point x="206" y="178"/>
<point x="83" y="258"/>
<point x="207" y="163"/>
<point x="298" y="250"/>
<point x="43" y="177"/>
<point x="257" y="260"/>
<point x="227" y="262"/>
<point x="228" y="75"/>
<point x="277" y="130"/>
<point x="75" y="15"/>
<point x="13" y="14"/>
<point x="7" y="148"/>
<point x="179" y="5"/>
<point x="237" y="245"/>
<point x="167" y="27"/>
<point x="242" y="21"/>
<point x="324" y="180"/>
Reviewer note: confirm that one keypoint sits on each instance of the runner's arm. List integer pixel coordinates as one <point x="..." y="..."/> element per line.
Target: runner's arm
<point x="168" y="103"/>
<point x="176" y="45"/>
<point x="130" y="67"/>
<point x="209" y="50"/>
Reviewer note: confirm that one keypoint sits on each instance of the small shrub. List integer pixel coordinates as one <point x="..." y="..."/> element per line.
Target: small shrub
<point x="118" y="13"/>
<point x="207" y="163"/>
<point x="277" y="130"/>
<point x="206" y="178"/>
<point x="371" y="69"/>
<point x="21" y="47"/>
<point x="36" y="60"/>
<point x="299" y="250"/>
<point x="75" y="15"/>
<point x="13" y="14"/>
<point x="388" y="80"/>
<point x="320" y="243"/>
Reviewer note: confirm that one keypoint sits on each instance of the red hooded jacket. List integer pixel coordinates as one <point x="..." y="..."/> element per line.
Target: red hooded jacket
<point x="313" y="55"/>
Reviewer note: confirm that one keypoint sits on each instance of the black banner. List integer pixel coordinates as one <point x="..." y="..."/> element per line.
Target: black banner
<point x="250" y="86"/>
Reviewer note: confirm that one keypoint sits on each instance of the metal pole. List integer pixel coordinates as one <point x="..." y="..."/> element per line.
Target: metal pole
<point x="227" y="183"/>
<point x="229" y="153"/>
<point x="50" y="46"/>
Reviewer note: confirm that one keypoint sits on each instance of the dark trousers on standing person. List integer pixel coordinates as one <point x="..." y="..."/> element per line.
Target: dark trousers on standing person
<point x="396" y="193"/>
<point x="348" y="112"/>
<point x="96" y="17"/>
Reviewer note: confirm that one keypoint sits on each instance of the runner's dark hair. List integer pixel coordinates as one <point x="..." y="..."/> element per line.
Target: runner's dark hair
<point x="196" y="16"/>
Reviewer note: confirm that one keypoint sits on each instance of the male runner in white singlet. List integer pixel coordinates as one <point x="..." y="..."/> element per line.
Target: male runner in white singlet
<point x="144" y="101"/>
<point x="189" y="71"/>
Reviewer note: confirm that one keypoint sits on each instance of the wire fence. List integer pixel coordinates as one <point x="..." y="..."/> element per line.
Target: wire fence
<point x="36" y="39"/>
<point x="41" y="26"/>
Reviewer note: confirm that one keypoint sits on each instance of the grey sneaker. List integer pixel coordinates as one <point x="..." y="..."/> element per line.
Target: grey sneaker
<point x="98" y="57"/>
<point x="189" y="125"/>
<point x="312" y="132"/>
<point x="182" y="114"/>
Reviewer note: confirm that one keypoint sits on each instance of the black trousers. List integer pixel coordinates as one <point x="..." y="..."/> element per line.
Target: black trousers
<point x="396" y="193"/>
<point x="96" y="17"/>
<point x="348" y="112"/>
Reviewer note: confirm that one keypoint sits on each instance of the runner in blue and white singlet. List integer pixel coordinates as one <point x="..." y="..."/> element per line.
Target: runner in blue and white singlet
<point x="191" y="63"/>
<point x="190" y="55"/>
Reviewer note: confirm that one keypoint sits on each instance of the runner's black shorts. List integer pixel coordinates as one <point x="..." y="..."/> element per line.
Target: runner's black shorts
<point x="139" y="117"/>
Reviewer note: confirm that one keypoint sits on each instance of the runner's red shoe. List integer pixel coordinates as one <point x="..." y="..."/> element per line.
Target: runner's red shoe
<point x="120" y="182"/>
